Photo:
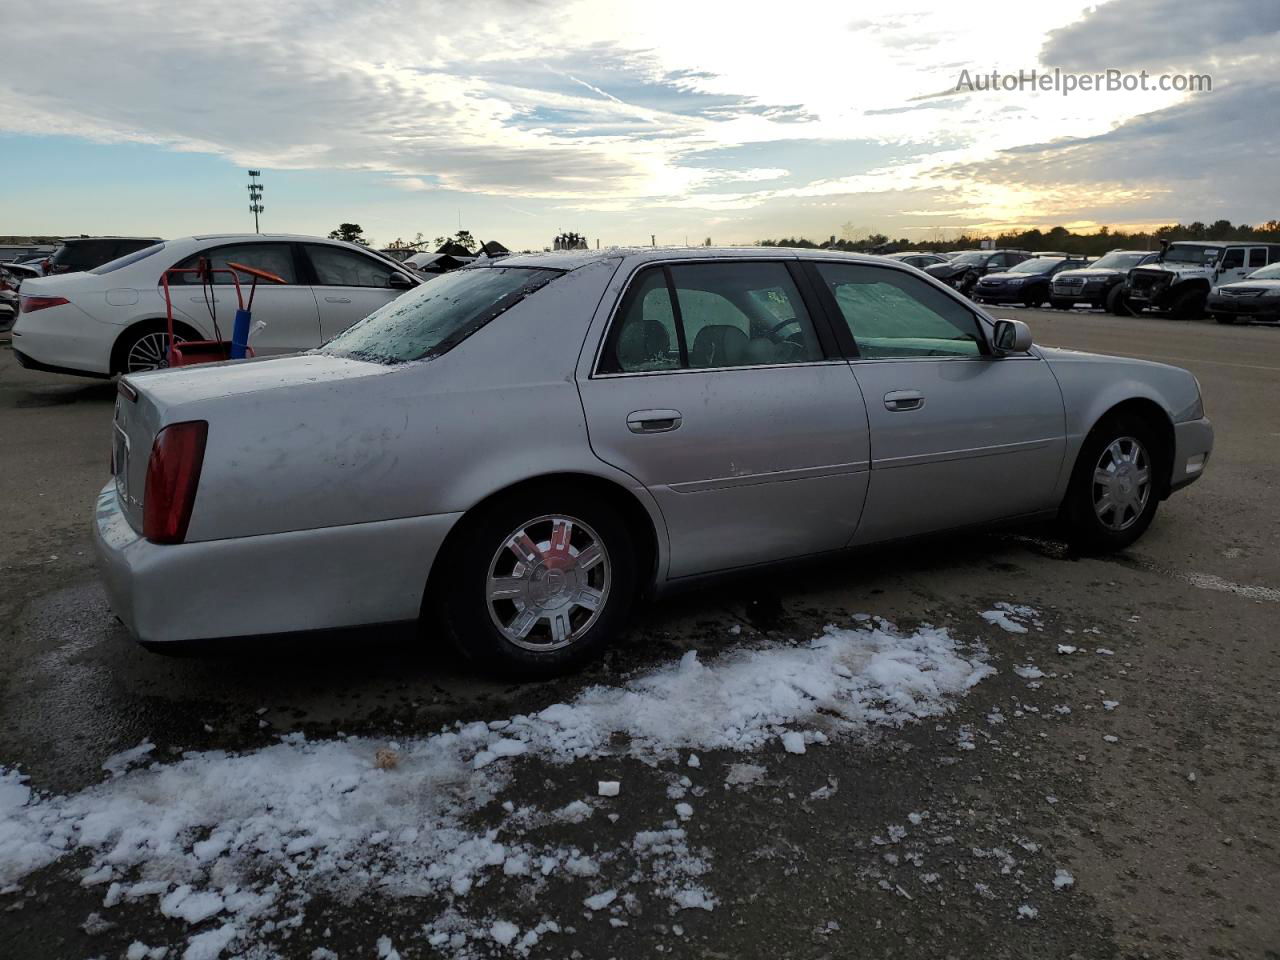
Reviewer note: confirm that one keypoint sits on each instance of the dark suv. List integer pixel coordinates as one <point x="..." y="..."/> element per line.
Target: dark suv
<point x="75" y="254"/>
<point x="964" y="269"/>
<point x="1101" y="284"/>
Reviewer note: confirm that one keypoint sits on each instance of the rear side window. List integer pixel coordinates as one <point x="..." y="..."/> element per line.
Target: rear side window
<point x="336" y="267"/>
<point x="438" y="315"/>
<point x="275" y="258"/>
<point x="709" y="315"/>
<point x="892" y="314"/>
<point x="128" y="259"/>
<point x="1258" y="257"/>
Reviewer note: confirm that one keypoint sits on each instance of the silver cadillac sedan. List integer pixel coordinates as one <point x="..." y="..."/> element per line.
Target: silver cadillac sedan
<point x="519" y="449"/>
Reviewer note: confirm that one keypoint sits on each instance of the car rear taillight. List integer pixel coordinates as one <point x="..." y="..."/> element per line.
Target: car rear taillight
<point x="32" y="304"/>
<point x="173" y="473"/>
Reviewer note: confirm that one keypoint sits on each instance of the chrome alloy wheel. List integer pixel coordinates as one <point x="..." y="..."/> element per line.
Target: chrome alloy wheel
<point x="548" y="583"/>
<point x="149" y="352"/>
<point x="1121" y="484"/>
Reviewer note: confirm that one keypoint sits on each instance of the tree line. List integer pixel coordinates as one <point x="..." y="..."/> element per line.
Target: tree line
<point x="1057" y="238"/>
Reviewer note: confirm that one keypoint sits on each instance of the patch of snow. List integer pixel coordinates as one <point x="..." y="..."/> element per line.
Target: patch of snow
<point x="1110" y="704"/>
<point x="1063" y="879"/>
<point x="793" y="742"/>
<point x="1066" y="649"/>
<point x="1027" y="912"/>
<point x="1029" y="672"/>
<point x="600" y="900"/>
<point x="255" y="834"/>
<point x="504" y="932"/>
<point x="694" y="761"/>
<point x="608" y="788"/>
<point x="684" y="811"/>
<point x="118" y="763"/>
<point x="1110" y="738"/>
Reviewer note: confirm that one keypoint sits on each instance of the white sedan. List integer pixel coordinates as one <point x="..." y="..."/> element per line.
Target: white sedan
<point x="111" y="319"/>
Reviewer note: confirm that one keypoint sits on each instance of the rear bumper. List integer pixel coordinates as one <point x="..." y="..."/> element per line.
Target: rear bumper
<point x="65" y="339"/>
<point x="1193" y="443"/>
<point x="305" y="580"/>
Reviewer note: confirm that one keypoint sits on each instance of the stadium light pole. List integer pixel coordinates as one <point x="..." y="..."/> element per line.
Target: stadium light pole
<point x="255" y="197"/>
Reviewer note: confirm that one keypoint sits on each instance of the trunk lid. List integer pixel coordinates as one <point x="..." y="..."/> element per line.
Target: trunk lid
<point x="147" y="402"/>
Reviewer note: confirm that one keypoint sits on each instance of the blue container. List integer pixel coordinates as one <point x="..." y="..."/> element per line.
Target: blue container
<point x="240" y="335"/>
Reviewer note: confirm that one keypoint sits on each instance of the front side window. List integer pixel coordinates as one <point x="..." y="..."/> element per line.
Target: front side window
<point x="892" y="314"/>
<point x="1234" y="259"/>
<point x="730" y="314"/>
<point x="274" y="258"/>
<point x="439" y="314"/>
<point x="336" y="267"/>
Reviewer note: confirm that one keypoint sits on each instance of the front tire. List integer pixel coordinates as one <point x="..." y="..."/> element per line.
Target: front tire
<point x="1189" y="305"/>
<point x="1115" y="487"/>
<point x="541" y="582"/>
<point x="1114" y="302"/>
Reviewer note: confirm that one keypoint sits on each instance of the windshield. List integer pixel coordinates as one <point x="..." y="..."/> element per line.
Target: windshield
<point x="1119" y="261"/>
<point x="970" y="258"/>
<point x="437" y="316"/>
<point x="127" y="259"/>
<point x="1191" y="253"/>
<point x="1266" y="273"/>
<point x="1038" y="265"/>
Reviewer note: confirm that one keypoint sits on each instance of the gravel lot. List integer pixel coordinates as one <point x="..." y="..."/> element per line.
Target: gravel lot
<point x="1157" y="816"/>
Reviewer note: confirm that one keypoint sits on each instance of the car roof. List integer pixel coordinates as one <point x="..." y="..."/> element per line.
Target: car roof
<point x="95" y="239"/>
<point x="572" y="259"/>
<point x="1224" y="243"/>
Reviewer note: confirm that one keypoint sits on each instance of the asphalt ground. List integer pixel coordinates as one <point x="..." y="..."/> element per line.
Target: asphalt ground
<point x="1170" y="829"/>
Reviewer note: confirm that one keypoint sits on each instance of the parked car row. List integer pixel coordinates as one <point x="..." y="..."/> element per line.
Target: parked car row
<point x="11" y="277"/>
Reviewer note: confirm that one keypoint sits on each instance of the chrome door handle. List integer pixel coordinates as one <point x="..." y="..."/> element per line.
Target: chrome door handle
<point x="337" y="299"/>
<point x="899" y="400"/>
<point x="653" y="421"/>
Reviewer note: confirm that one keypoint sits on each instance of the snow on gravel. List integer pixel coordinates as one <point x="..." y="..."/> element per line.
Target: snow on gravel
<point x="234" y="845"/>
<point x="1013" y="617"/>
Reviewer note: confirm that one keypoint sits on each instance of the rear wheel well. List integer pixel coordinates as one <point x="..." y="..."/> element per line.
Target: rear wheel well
<point x="1150" y="413"/>
<point x="633" y="512"/>
<point x="120" y="348"/>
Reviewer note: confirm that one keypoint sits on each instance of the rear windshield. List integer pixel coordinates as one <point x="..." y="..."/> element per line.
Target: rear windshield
<point x="1119" y="261"/>
<point x="128" y="259"/>
<point x="437" y="316"/>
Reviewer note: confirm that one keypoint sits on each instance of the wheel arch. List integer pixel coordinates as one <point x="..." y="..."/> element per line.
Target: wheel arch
<point x="1161" y="424"/>
<point x="116" y="362"/>
<point x="639" y="519"/>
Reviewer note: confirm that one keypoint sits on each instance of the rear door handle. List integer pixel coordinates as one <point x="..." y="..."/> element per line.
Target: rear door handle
<point x="653" y="421"/>
<point x="900" y="400"/>
<point x="337" y="299"/>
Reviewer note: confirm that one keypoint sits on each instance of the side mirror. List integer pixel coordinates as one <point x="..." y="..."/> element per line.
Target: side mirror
<point x="1011" y="336"/>
<point x="398" y="281"/>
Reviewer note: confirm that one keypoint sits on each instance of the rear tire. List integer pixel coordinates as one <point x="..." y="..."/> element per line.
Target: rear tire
<point x="145" y="347"/>
<point x="1115" y="487"/>
<point x="540" y="582"/>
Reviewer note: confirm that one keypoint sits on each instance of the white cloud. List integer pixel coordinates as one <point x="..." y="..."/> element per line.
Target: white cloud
<point x="604" y="107"/>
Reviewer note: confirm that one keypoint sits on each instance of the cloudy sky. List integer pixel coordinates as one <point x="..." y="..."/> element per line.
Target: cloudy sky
<point x="736" y="120"/>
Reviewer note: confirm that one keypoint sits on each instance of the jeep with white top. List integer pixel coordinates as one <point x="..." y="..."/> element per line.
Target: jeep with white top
<point x="1182" y="277"/>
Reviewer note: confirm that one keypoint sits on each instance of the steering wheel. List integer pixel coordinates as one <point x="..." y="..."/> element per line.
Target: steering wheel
<point x="772" y="332"/>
